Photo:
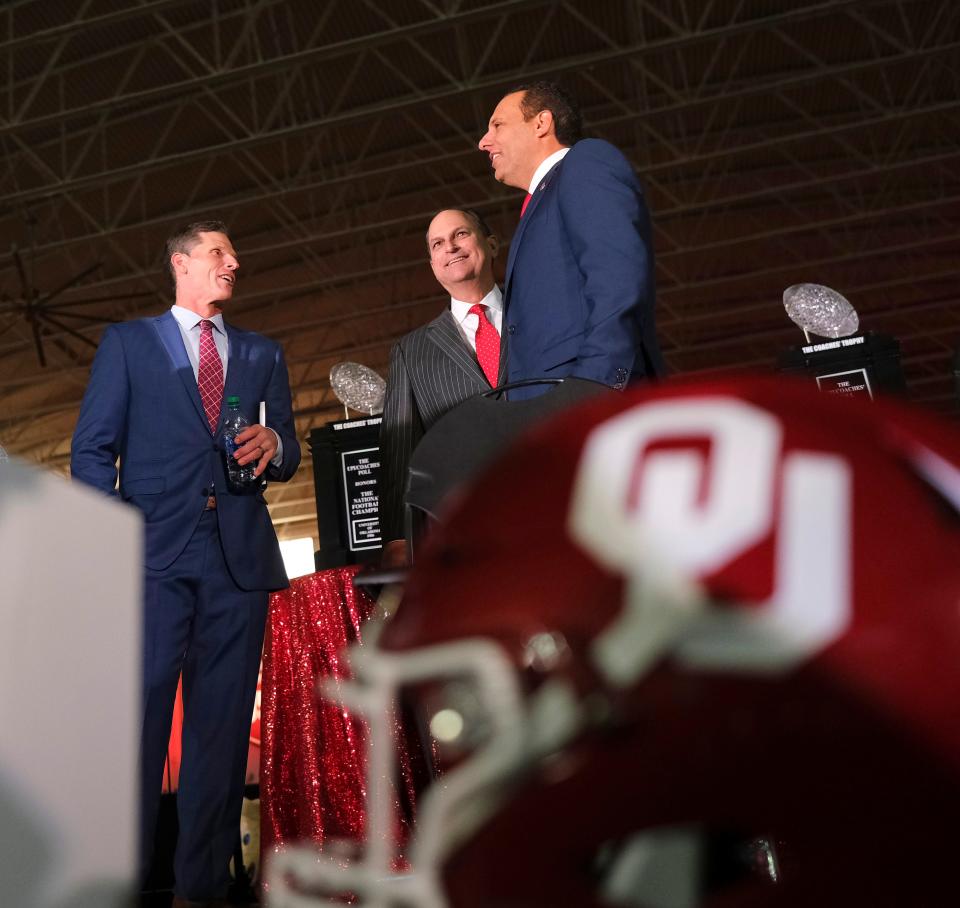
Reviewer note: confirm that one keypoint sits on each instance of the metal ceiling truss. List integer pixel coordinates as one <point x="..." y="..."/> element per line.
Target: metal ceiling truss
<point x="815" y="140"/>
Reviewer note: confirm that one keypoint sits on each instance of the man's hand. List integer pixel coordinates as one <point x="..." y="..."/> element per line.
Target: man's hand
<point x="256" y="443"/>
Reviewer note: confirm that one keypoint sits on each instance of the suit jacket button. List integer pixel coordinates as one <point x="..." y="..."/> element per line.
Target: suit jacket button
<point x="511" y="329"/>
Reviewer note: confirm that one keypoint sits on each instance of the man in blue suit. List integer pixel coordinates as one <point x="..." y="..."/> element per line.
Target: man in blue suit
<point x="579" y="288"/>
<point x="211" y="552"/>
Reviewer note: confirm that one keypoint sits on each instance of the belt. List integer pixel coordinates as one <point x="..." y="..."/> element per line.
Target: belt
<point x="211" y="503"/>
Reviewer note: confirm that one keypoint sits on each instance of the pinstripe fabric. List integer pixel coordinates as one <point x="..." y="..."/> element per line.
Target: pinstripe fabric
<point x="432" y="369"/>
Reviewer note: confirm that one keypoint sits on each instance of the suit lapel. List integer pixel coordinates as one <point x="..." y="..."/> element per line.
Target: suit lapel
<point x="532" y="205"/>
<point x="172" y="340"/>
<point x="237" y="355"/>
<point x="502" y="366"/>
<point x="443" y="332"/>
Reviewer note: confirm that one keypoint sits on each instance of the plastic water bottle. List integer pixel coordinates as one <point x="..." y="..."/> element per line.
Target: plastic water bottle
<point x="235" y="423"/>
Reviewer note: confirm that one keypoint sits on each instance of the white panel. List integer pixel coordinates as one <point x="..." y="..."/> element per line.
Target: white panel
<point x="70" y="621"/>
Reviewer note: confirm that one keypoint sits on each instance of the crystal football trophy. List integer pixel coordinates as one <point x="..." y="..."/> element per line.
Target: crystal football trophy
<point x="358" y="387"/>
<point x="841" y="359"/>
<point x="821" y="311"/>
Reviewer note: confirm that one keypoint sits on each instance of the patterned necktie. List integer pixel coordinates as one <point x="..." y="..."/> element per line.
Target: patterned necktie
<point x="488" y="344"/>
<point x="526" y="201"/>
<point x="210" y="375"/>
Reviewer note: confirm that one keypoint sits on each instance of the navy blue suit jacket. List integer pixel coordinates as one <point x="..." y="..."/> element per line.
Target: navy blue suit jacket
<point x="579" y="289"/>
<point x="142" y="407"/>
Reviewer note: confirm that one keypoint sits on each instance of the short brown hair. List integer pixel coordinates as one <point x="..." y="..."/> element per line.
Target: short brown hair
<point x="186" y="238"/>
<point x="567" y="122"/>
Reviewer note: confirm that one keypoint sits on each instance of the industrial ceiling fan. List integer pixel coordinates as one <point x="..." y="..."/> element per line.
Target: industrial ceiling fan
<point x="43" y="309"/>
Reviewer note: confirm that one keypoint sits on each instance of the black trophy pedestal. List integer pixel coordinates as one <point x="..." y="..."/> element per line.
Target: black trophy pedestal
<point x="861" y="365"/>
<point x="346" y="472"/>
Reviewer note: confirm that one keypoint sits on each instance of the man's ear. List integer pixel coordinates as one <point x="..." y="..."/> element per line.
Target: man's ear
<point x="543" y="124"/>
<point x="494" y="242"/>
<point x="176" y="262"/>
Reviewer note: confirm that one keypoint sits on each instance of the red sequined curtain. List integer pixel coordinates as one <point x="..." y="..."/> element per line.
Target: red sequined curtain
<point x="311" y="760"/>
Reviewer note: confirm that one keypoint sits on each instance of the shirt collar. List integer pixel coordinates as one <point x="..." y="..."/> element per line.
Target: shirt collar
<point x="544" y="168"/>
<point x="460" y="309"/>
<point x="189" y="319"/>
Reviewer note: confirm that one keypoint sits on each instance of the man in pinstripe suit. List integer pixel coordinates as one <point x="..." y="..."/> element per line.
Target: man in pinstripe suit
<point x="435" y="367"/>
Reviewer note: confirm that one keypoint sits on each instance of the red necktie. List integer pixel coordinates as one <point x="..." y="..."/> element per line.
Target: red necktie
<point x="210" y="375"/>
<point x="526" y="201"/>
<point x="488" y="344"/>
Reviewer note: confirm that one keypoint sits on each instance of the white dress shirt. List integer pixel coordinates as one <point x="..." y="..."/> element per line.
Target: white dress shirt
<point x="544" y="168"/>
<point x="189" y="323"/>
<point x="468" y="323"/>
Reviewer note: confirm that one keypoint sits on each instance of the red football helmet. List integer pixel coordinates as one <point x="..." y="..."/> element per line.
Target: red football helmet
<point x="694" y="645"/>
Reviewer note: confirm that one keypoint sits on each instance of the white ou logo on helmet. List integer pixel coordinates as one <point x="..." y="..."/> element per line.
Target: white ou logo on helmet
<point x="672" y="491"/>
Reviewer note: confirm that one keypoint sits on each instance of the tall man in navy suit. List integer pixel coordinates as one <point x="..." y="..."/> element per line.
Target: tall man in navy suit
<point x="211" y="552"/>
<point x="579" y="287"/>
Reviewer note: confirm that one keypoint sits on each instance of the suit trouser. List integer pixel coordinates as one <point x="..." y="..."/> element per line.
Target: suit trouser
<point x="197" y="620"/>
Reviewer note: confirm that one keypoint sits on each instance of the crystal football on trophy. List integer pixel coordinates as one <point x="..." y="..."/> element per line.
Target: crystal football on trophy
<point x="821" y="311"/>
<point x="842" y="360"/>
<point x="358" y="387"/>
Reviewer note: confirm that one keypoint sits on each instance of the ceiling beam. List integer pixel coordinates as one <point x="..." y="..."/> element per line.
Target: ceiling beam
<point x="417" y="99"/>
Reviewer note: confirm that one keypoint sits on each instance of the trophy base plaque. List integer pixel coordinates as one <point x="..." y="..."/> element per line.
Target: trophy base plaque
<point x="346" y="473"/>
<point x="859" y="366"/>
